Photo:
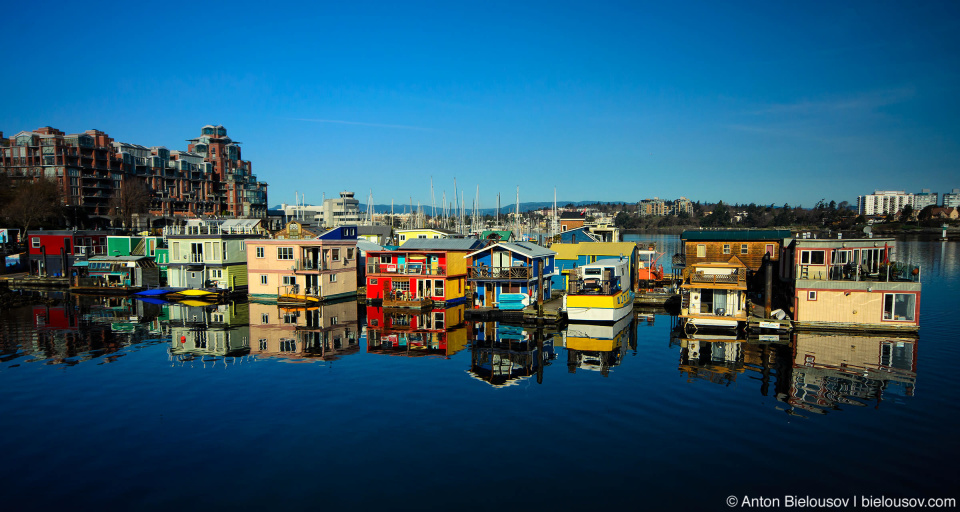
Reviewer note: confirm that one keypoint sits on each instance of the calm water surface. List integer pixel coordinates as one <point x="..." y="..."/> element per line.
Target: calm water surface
<point x="118" y="404"/>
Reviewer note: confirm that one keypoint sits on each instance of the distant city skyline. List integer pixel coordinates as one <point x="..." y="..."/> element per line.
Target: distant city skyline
<point x="614" y="101"/>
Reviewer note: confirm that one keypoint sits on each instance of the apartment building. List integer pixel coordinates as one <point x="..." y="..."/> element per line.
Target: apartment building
<point x="209" y="178"/>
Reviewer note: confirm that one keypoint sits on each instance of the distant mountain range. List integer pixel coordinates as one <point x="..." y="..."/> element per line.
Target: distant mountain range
<point x="504" y="209"/>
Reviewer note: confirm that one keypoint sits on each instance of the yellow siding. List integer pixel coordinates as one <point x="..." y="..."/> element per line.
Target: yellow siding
<point x="833" y="306"/>
<point x="456" y="263"/>
<point x="235" y="271"/>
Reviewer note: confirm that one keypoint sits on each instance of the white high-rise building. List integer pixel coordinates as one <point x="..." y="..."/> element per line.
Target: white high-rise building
<point x="883" y="202"/>
<point x="952" y="200"/>
<point x="923" y="199"/>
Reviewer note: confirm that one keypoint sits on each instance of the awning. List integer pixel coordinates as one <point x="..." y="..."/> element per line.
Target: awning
<point x="81" y="263"/>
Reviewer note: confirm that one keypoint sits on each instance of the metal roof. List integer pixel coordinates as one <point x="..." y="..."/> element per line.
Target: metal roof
<point x="527" y="249"/>
<point x="442" y="244"/>
<point x="736" y="234"/>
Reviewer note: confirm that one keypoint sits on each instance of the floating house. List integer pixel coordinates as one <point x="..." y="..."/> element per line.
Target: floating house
<point x="298" y="230"/>
<point x="497" y="235"/>
<point x="380" y="235"/>
<point x="522" y="269"/>
<point x="572" y="255"/>
<point x="304" y="271"/>
<point x="325" y="332"/>
<point x="115" y="274"/>
<point x="420" y="273"/>
<point x="853" y="284"/>
<point x="748" y="245"/>
<point x="572" y="220"/>
<point x="409" y="332"/>
<point x="53" y="253"/>
<point x="601" y="292"/>
<point x="142" y="245"/>
<point x="405" y="235"/>
<point x="575" y="236"/>
<point x="714" y="295"/>
<point x="208" y="254"/>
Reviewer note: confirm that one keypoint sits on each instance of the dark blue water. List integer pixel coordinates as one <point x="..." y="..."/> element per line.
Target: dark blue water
<point x="122" y="405"/>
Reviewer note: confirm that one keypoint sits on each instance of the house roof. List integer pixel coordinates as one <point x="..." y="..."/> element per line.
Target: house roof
<point x="736" y="234"/>
<point x="240" y="223"/>
<point x="504" y="234"/>
<point x="119" y="258"/>
<point x="572" y="216"/>
<point x="374" y="230"/>
<point x="572" y="251"/>
<point x="437" y="230"/>
<point x="367" y="246"/>
<point x="527" y="249"/>
<point x="442" y="244"/>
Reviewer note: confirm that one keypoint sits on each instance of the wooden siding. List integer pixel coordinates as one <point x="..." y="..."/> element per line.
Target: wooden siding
<point x="714" y="252"/>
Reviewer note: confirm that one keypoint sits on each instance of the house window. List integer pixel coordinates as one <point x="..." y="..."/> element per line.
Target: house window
<point x="701" y="251"/>
<point x="284" y="253"/>
<point x="333" y="278"/>
<point x="289" y="318"/>
<point x="335" y="254"/>
<point x="384" y="259"/>
<point x="373" y="281"/>
<point x="743" y="249"/>
<point x="260" y="252"/>
<point x="899" y="307"/>
<point x="288" y="345"/>
<point x="403" y="237"/>
<point x="289" y="280"/>
<point x="349" y="253"/>
<point x="438" y="288"/>
<point x="216" y="273"/>
<point x="811" y="295"/>
<point x="812" y="258"/>
<point x="36" y="242"/>
<point x="263" y="279"/>
<point x="263" y="344"/>
<point x="334" y="320"/>
<point x="726" y="248"/>
<point x="264" y="318"/>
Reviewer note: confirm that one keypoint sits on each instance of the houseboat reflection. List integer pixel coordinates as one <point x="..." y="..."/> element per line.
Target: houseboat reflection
<point x="835" y="370"/>
<point x="415" y="332"/>
<point x="201" y="329"/>
<point x="599" y="347"/>
<point x="322" y="332"/>
<point x="504" y="355"/>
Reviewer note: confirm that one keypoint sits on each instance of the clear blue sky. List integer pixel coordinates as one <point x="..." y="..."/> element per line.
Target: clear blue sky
<point x="742" y="101"/>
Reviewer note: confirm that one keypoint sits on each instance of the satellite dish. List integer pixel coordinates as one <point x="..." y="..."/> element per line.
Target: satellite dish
<point x="867" y="230"/>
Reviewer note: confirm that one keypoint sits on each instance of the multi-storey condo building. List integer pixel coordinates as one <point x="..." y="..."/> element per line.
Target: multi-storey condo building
<point x="91" y="168"/>
<point x="883" y="202"/>
<point x="681" y="205"/>
<point x="654" y="206"/>
<point x="951" y="199"/>
<point x="923" y="199"/>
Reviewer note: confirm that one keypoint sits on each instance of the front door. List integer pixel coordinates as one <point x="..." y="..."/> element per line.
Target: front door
<point x="489" y="295"/>
<point x="313" y="285"/>
<point x="195" y="279"/>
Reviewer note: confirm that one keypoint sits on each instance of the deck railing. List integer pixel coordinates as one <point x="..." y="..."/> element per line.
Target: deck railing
<point x="485" y="272"/>
<point x="893" y="271"/>
<point x="423" y="270"/>
<point x="738" y="276"/>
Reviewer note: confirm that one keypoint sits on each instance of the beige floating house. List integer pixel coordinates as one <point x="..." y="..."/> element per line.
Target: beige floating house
<point x="853" y="284"/>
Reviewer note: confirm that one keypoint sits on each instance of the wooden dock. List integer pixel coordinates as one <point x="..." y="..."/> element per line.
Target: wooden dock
<point x="24" y="280"/>
<point x="530" y="315"/>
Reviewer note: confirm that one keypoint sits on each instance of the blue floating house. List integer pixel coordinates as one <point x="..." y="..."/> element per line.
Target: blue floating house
<point x="508" y="274"/>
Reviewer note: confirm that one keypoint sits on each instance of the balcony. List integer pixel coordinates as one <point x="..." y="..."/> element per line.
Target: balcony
<point x="737" y="277"/>
<point x="499" y="273"/>
<point x="310" y="266"/>
<point x="408" y="269"/>
<point x="870" y="271"/>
